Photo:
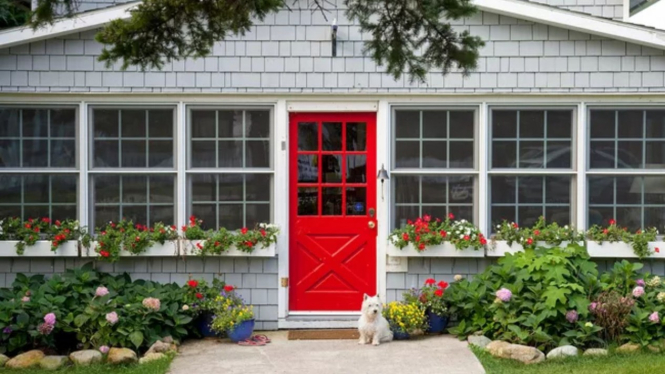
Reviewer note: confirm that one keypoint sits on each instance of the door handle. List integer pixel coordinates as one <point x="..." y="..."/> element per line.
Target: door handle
<point x="371" y="224"/>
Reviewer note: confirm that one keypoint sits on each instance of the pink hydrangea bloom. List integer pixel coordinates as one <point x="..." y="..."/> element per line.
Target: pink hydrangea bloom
<point x="104" y="349"/>
<point x="25" y="299"/>
<point x="152" y="303"/>
<point x="571" y="316"/>
<point x="504" y="294"/>
<point x="112" y="318"/>
<point x="640" y="282"/>
<point x="49" y="319"/>
<point x="593" y="306"/>
<point x="101" y="291"/>
<point x="45" y="328"/>
<point x="638" y="291"/>
<point x="654" y="317"/>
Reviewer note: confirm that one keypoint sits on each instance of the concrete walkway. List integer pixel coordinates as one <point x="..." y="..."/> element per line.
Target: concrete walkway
<point x="441" y="354"/>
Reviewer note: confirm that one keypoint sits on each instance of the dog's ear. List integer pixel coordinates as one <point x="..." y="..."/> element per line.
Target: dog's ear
<point x="365" y="296"/>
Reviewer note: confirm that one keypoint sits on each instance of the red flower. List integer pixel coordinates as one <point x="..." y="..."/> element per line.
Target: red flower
<point x="612" y="222"/>
<point x="515" y="225"/>
<point x="409" y="222"/>
<point x="443" y="284"/>
<point x="46" y="220"/>
<point x="427" y="218"/>
<point x="430" y="281"/>
<point x="216" y="244"/>
<point x="605" y="231"/>
<point x="199" y="246"/>
<point x="438" y="292"/>
<point x="103" y="233"/>
<point x="57" y="223"/>
<point x="405" y="237"/>
<point x="36" y="228"/>
<point x="184" y="229"/>
<point x="30" y="220"/>
<point x="451" y="216"/>
<point x="104" y="254"/>
<point x="639" y="231"/>
<point x="467" y="237"/>
<point x="137" y="239"/>
<point x="199" y="295"/>
<point x="243" y="230"/>
<point x="67" y="231"/>
<point x="193" y="283"/>
<point x="229" y="288"/>
<point x="417" y="238"/>
<point x="249" y="244"/>
<point x="483" y="241"/>
<point x="529" y="241"/>
<point x="112" y="224"/>
<point x="173" y="227"/>
<point x="192" y="219"/>
<point x="27" y="225"/>
<point x="657" y="250"/>
<point x="138" y="226"/>
<point x="536" y="232"/>
<point x="443" y="233"/>
<point x="263" y="232"/>
<point x="438" y="220"/>
<point x="421" y="246"/>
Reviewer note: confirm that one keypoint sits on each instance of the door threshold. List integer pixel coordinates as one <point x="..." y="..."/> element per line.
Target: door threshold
<point x="319" y="321"/>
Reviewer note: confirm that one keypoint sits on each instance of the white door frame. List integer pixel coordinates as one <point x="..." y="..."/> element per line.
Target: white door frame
<point x="282" y="110"/>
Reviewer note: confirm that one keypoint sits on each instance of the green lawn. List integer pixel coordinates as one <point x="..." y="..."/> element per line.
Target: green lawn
<point x="638" y="363"/>
<point x="155" y="367"/>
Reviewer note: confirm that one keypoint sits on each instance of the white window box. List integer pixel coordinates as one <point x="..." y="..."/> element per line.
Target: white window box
<point x="188" y="248"/>
<point x="621" y="249"/>
<point x="168" y="249"/>
<point x="498" y="248"/>
<point x="442" y="250"/>
<point x="41" y="249"/>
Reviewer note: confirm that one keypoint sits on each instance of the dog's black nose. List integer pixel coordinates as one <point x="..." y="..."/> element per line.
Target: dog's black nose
<point x="376" y="311"/>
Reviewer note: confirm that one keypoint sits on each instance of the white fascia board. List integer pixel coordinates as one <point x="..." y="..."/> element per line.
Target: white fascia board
<point x="566" y="19"/>
<point x="78" y="23"/>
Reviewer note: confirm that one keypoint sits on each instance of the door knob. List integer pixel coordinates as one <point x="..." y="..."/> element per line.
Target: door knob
<point x="371" y="224"/>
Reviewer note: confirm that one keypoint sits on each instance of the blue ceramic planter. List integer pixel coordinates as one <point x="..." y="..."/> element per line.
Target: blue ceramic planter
<point x="241" y="332"/>
<point x="437" y="324"/>
<point x="401" y="335"/>
<point x="204" y="322"/>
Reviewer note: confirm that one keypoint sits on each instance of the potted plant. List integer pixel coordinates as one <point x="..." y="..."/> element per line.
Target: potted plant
<point x="430" y="298"/>
<point x="617" y="241"/>
<point x="404" y="319"/>
<point x="232" y="318"/>
<point x="222" y="242"/>
<point x="42" y="237"/>
<point x="511" y="238"/>
<point x="201" y="300"/>
<point x="437" y="238"/>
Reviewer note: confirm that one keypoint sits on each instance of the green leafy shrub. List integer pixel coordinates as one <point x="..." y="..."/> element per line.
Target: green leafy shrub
<point x="92" y="309"/>
<point x="527" y="298"/>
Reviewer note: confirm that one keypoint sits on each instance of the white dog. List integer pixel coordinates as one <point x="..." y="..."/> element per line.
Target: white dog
<point x="373" y="327"/>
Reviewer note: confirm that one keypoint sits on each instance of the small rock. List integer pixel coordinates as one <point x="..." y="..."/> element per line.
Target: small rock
<point x="53" y="362"/>
<point x="629" y="347"/>
<point x="563" y="351"/>
<point x="3" y="360"/>
<point x="151" y="357"/>
<point x="86" y="357"/>
<point x="653" y="348"/>
<point x="479" y="341"/>
<point x="161" y="347"/>
<point x="595" y="352"/>
<point x="25" y="360"/>
<point x="121" y="356"/>
<point x="168" y="340"/>
<point x="523" y="353"/>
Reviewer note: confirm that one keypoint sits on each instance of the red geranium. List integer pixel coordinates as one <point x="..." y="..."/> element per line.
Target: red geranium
<point x="193" y="283"/>
<point x="405" y="236"/>
<point x="199" y="295"/>
<point x="229" y="288"/>
<point x="243" y="230"/>
<point x="443" y="233"/>
<point x="104" y="254"/>
<point x="466" y="237"/>
<point x="451" y="216"/>
<point x="657" y="250"/>
<point x="612" y="222"/>
<point x="263" y="232"/>
<point x="421" y="246"/>
<point x="427" y="218"/>
<point x="529" y="241"/>
<point x="430" y="281"/>
<point x="443" y="284"/>
<point x="438" y="292"/>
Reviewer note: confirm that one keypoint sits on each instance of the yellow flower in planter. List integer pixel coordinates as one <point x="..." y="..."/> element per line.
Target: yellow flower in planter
<point x="405" y="317"/>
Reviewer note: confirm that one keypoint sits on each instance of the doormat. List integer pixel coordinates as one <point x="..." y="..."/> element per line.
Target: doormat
<point x="335" y="334"/>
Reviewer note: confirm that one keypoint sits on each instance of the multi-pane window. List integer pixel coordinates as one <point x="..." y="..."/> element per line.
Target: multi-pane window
<point x="434" y="163"/>
<point x="229" y="166"/>
<point x="132" y="165"/>
<point x="622" y="142"/>
<point x="524" y="143"/>
<point x="42" y="140"/>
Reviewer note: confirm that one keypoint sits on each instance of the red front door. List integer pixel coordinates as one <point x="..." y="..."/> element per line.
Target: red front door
<point x="332" y="249"/>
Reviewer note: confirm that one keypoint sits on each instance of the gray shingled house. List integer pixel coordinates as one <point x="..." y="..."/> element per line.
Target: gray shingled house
<point x="564" y="117"/>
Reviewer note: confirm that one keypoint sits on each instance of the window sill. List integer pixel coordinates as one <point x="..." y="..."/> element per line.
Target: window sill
<point x="442" y="250"/>
<point x="41" y="249"/>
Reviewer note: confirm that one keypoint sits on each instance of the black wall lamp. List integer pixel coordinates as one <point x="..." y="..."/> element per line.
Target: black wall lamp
<point x="334" y="37"/>
<point x="382" y="176"/>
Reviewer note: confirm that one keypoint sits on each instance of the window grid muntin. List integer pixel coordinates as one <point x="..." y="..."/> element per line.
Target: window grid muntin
<point x="244" y="138"/>
<point x="51" y="204"/>
<point x="421" y="172"/>
<point x="120" y="138"/>
<point x="48" y="138"/>
<point x="220" y="171"/>
<point x="421" y="139"/>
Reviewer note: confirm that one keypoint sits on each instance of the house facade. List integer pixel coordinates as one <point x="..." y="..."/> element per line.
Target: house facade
<point x="564" y="118"/>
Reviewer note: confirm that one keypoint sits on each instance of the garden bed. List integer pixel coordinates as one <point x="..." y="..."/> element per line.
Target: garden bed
<point x="41" y="248"/>
<point x="190" y="248"/>
<point x="621" y="250"/>
<point x="441" y="250"/>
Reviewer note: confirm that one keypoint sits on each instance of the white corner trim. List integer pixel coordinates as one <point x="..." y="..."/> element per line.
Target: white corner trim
<point x="332" y="106"/>
<point x="82" y="22"/>
<point x="566" y="19"/>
